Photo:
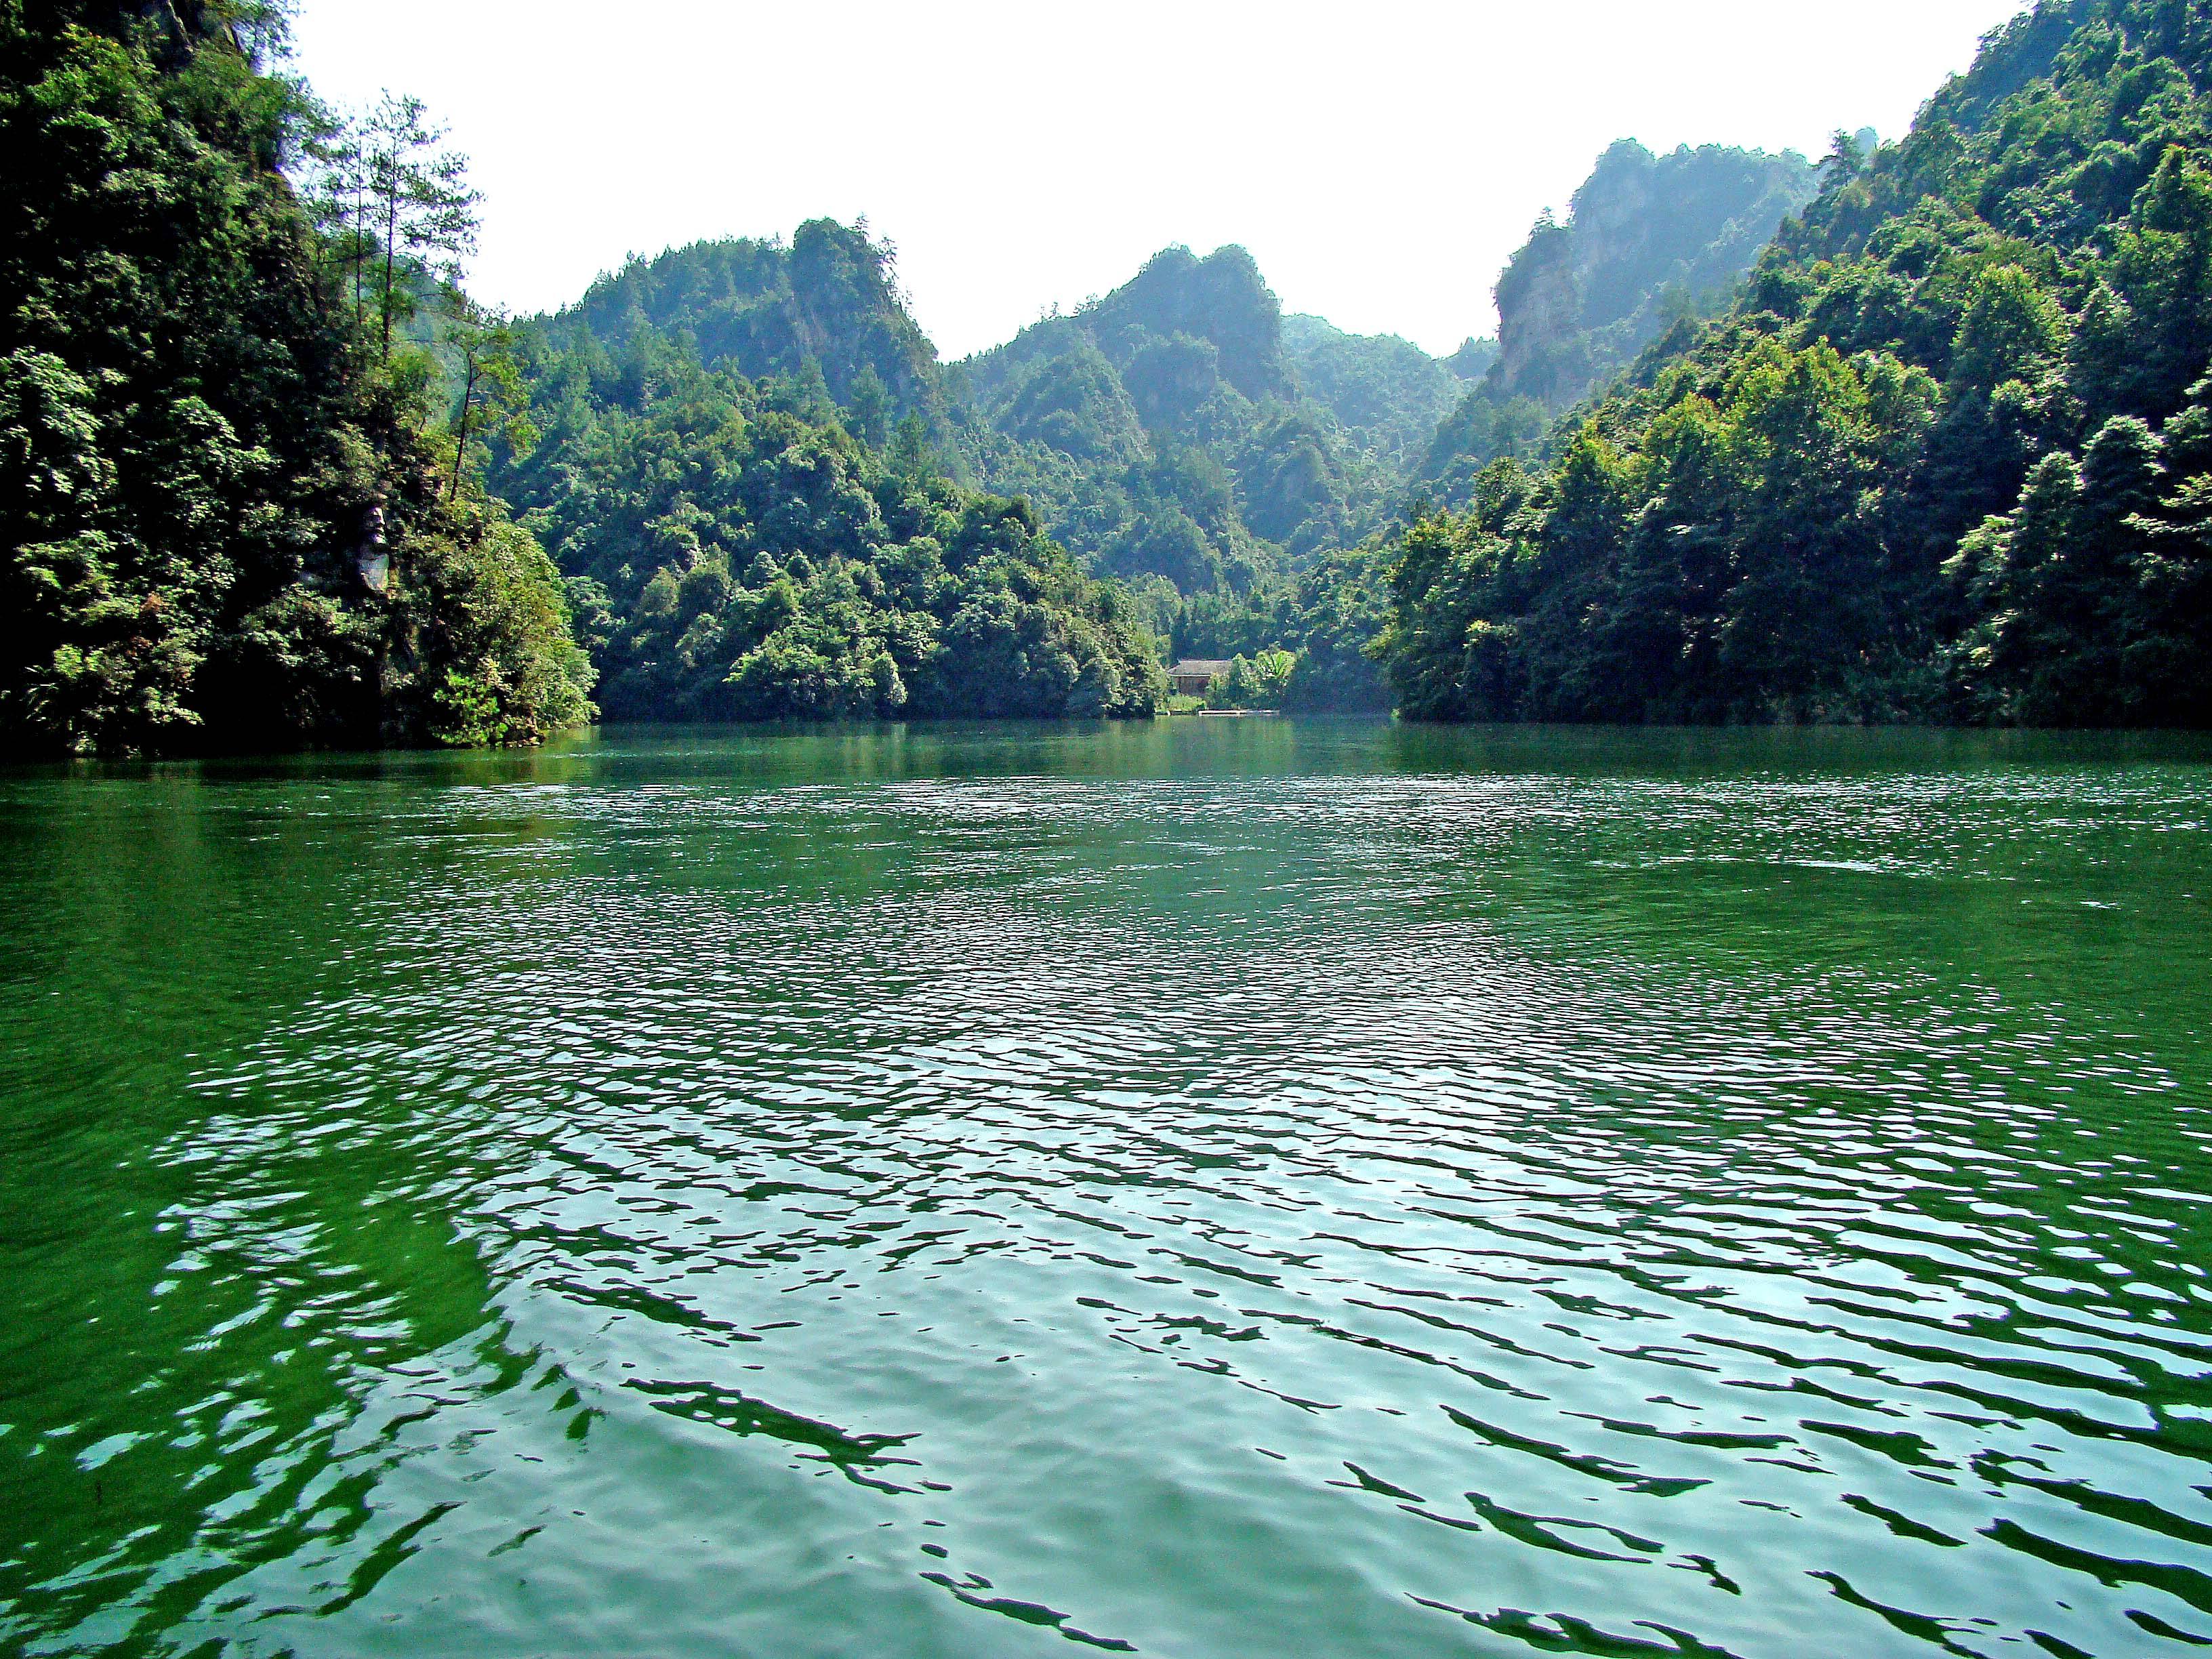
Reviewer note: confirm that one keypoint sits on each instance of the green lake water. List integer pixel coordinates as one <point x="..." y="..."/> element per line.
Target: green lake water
<point x="1224" y="1189"/>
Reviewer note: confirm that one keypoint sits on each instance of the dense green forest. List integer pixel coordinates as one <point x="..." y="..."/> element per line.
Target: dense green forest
<point x="736" y="552"/>
<point x="1648" y="242"/>
<point x="1203" y="456"/>
<point x="1945" y="458"/>
<point x="248" y="418"/>
<point x="1166" y="432"/>
<point x="1179" y="433"/>
<point x="231" y="511"/>
<point x="825" y="309"/>
<point x="1235" y="469"/>
<point x="1919" y="432"/>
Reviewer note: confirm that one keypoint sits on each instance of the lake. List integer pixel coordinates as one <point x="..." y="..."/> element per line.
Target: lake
<point x="1251" y="1189"/>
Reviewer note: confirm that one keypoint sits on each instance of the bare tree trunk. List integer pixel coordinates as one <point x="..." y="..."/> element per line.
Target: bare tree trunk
<point x="461" y="448"/>
<point x="391" y="253"/>
<point x="358" y="239"/>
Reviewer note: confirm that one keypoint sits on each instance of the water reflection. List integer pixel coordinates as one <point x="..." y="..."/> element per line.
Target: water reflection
<point x="1240" y="1190"/>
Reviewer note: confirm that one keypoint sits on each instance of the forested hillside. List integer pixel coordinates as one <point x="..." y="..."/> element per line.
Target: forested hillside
<point x="1939" y="452"/>
<point x="1946" y="459"/>
<point x="1180" y="434"/>
<point x="735" y="552"/>
<point x="1158" y="429"/>
<point x="824" y="306"/>
<point x="230" y="514"/>
<point x="1184" y="435"/>
<point x="1648" y="241"/>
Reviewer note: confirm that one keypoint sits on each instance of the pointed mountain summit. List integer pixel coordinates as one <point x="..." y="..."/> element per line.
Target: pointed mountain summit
<point x="823" y="303"/>
<point x="1650" y="240"/>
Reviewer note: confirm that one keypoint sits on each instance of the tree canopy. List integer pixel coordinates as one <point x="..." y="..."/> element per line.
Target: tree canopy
<point x="734" y="551"/>
<point x="1943" y="458"/>
<point x="1919" y="431"/>
<point x="226" y="517"/>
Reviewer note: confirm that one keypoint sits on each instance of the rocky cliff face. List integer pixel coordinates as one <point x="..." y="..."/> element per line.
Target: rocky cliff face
<point x="1648" y="240"/>
<point x="1542" y="351"/>
<point x="1648" y="237"/>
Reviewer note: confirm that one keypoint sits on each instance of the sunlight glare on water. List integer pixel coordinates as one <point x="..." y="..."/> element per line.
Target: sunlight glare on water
<point x="1216" y="1189"/>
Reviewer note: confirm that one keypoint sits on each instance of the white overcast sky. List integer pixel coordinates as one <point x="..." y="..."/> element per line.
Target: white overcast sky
<point x="1380" y="159"/>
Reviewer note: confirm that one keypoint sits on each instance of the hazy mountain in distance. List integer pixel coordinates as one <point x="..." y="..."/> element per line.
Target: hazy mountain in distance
<point x="1648" y="240"/>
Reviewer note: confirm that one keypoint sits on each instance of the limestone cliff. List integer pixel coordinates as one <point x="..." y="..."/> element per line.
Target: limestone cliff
<point x="1648" y="238"/>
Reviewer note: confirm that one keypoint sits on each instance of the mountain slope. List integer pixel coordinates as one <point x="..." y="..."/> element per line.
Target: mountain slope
<point x="824" y="304"/>
<point x="735" y="553"/>
<point x="1648" y="237"/>
<point x="1946" y="459"/>
<point x="1650" y="240"/>
<point x="1181" y="431"/>
<point x="1139" y="425"/>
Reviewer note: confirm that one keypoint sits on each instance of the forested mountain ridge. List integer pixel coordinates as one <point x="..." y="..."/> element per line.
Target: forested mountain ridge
<point x="1183" y="434"/>
<point x="1942" y="454"/>
<point x="735" y="552"/>
<point x="1648" y="240"/>
<point x="826" y="303"/>
<point x="1157" y="428"/>
<point x="1179" y="433"/>
<point x="1945" y="460"/>
<point x="228" y="517"/>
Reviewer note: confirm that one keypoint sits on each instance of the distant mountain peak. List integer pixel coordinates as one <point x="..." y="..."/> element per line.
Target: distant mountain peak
<point x="1643" y="232"/>
<point x="829" y="297"/>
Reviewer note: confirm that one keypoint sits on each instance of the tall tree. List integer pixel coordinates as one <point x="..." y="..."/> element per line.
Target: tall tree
<point x="492" y="405"/>
<point x="419" y="204"/>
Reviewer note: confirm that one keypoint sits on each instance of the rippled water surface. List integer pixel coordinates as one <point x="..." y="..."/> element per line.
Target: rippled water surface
<point x="1221" y="1188"/>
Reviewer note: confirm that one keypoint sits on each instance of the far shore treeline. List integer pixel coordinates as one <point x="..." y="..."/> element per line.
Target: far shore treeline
<point x="1919" y="432"/>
